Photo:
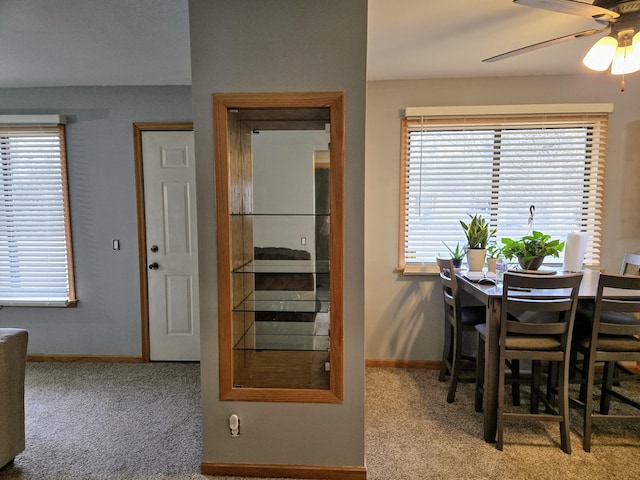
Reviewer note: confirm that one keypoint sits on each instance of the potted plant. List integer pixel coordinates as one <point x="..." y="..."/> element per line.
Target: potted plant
<point x="493" y="252"/>
<point x="531" y="249"/>
<point x="457" y="254"/>
<point x="478" y="233"/>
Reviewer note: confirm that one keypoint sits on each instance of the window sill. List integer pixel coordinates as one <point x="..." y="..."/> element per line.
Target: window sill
<point x="39" y="303"/>
<point x="418" y="269"/>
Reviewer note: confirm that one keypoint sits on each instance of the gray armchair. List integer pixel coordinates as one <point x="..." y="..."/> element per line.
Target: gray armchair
<point x="13" y="356"/>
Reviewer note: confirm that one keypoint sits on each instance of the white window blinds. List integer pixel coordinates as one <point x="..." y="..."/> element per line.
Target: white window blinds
<point x="35" y="249"/>
<point x="498" y="167"/>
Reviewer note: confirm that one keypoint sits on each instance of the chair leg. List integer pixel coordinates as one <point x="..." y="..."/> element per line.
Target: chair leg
<point x="535" y="385"/>
<point x="553" y="384"/>
<point x="588" y="405"/>
<point x="446" y="353"/>
<point x="479" y="374"/>
<point x="500" y="423"/>
<point x="455" y="365"/>
<point x="563" y="407"/>
<point x="515" y="386"/>
<point x="608" y="377"/>
<point x="573" y="369"/>
<point x="585" y="377"/>
<point x="616" y="368"/>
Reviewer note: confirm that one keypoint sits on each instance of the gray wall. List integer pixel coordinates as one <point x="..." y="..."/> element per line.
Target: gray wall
<point x="103" y="207"/>
<point x="282" y="45"/>
<point x="404" y="314"/>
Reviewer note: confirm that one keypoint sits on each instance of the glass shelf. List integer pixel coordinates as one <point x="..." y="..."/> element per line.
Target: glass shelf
<point x="299" y="336"/>
<point x="284" y="266"/>
<point x="240" y="214"/>
<point x="284" y="301"/>
<point x="285" y="341"/>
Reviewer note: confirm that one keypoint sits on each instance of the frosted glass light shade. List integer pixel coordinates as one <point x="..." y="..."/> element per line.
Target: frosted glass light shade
<point x="599" y="56"/>
<point x="627" y="58"/>
<point x="625" y="61"/>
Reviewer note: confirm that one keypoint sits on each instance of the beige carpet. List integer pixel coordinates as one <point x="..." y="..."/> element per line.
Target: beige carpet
<point x="134" y="422"/>
<point x="412" y="433"/>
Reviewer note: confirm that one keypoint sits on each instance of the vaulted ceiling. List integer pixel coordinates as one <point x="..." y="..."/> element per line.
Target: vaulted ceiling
<point x="146" y="42"/>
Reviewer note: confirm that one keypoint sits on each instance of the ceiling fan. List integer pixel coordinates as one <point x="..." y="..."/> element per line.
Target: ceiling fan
<point x="620" y="49"/>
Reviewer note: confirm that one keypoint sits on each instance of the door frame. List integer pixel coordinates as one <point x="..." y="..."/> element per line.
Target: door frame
<point x="138" y="129"/>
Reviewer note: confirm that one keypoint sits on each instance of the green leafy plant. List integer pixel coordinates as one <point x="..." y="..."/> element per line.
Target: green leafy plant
<point x="457" y="253"/>
<point x="494" y="250"/>
<point x="530" y="247"/>
<point x="477" y="231"/>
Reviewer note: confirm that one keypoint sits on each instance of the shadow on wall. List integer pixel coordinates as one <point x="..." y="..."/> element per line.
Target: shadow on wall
<point x="411" y="320"/>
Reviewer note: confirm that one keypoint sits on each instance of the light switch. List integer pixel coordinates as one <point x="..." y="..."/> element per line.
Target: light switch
<point x="116" y="244"/>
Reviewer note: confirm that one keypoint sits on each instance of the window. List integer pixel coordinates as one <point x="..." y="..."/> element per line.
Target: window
<point x="35" y="241"/>
<point x="499" y="167"/>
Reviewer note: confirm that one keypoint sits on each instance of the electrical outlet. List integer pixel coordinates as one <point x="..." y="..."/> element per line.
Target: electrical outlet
<point x="234" y="425"/>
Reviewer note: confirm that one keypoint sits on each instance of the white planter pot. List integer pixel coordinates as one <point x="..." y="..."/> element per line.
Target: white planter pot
<point x="491" y="264"/>
<point x="475" y="259"/>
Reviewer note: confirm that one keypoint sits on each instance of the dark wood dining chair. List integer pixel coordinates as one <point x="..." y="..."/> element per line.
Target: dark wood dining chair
<point x="457" y="320"/>
<point x="613" y="339"/>
<point x="584" y="323"/>
<point x="545" y="307"/>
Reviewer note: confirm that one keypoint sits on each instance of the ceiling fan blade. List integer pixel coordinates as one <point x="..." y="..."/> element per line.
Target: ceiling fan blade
<point x="572" y="7"/>
<point x="546" y="43"/>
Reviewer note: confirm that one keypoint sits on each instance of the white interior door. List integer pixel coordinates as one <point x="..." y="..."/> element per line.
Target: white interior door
<point x="172" y="252"/>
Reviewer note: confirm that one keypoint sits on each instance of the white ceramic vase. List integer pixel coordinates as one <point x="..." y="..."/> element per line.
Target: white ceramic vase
<point x="475" y="259"/>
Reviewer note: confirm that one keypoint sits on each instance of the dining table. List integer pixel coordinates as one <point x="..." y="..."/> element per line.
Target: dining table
<point x="490" y="295"/>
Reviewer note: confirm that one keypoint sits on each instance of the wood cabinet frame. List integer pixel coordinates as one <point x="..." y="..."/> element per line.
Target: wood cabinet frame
<point x="227" y="186"/>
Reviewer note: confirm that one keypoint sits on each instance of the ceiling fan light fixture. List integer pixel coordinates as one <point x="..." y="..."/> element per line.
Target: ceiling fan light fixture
<point x="624" y="62"/>
<point x="626" y="59"/>
<point x="601" y="54"/>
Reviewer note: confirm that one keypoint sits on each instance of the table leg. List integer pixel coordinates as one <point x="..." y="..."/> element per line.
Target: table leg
<point x="490" y="401"/>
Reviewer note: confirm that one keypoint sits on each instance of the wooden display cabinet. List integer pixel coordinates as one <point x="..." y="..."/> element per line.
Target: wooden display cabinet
<point x="279" y="191"/>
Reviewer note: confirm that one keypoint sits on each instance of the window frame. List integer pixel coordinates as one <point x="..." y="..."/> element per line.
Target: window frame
<point x="53" y="125"/>
<point x="442" y="118"/>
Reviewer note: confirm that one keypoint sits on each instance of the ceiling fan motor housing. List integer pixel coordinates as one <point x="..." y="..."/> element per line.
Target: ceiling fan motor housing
<point x="619" y="6"/>
<point x="626" y="26"/>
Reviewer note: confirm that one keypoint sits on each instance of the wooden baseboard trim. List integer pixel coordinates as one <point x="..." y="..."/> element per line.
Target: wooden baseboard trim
<point x="283" y="471"/>
<point x="39" y="357"/>
<point x="424" y="364"/>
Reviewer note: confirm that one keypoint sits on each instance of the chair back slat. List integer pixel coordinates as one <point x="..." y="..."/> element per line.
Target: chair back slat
<point x="620" y="305"/>
<point x="618" y="329"/>
<point x="526" y="328"/>
<point x="539" y="304"/>
<point x="621" y="282"/>
<point x="551" y="299"/>
<point x="544" y="282"/>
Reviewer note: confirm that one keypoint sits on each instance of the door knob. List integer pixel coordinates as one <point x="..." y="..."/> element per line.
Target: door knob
<point x="154" y="248"/>
<point x="154" y="266"/>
